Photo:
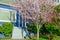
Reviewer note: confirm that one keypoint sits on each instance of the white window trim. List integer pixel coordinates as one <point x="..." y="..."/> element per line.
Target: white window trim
<point x="8" y="20"/>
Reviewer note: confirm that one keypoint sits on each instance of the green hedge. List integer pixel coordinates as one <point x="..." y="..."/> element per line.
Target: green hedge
<point x="6" y="28"/>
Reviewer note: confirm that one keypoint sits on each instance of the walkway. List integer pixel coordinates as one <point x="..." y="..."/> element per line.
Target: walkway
<point x="17" y="33"/>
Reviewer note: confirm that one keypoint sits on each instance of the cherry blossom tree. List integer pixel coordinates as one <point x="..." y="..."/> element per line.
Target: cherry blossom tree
<point x="34" y="9"/>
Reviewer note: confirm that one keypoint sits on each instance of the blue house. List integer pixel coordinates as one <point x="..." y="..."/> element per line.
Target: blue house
<point x="11" y="14"/>
<point x="8" y="14"/>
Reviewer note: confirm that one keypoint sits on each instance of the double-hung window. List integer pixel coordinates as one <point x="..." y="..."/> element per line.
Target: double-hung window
<point x="57" y="1"/>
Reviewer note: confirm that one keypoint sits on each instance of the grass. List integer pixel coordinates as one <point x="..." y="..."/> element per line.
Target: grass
<point x="56" y="37"/>
<point x="36" y="39"/>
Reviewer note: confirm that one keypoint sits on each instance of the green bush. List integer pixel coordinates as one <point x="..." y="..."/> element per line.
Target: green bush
<point x="55" y="37"/>
<point x="0" y="29"/>
<point x="32" y="27"/>
<point x="58" y="32"/>
<point x="7" y="28"/>
<point x="44" y="36"/>
<point x="49" y="27"/>
<point x="57" y="8"/>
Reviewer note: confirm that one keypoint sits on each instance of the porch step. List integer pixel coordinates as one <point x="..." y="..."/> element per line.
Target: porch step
<point x="17" y="33"/>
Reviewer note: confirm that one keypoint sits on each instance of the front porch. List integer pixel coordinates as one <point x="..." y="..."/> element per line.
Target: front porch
<point x="10" y="14"/>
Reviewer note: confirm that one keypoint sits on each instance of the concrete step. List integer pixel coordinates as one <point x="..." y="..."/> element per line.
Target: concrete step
<point x="17" y="33"/>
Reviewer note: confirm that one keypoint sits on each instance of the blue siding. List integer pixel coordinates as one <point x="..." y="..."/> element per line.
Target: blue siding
<point x="7" y="7"/>
<point x="11" y="8"/>
<point x="18" y="17"/>
<point x="21" y="21"/>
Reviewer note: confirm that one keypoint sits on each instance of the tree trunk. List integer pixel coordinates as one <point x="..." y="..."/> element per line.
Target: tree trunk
<point x="37" y="32"/>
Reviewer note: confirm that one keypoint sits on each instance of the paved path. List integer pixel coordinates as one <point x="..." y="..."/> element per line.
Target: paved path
<point x="17" y="33"/>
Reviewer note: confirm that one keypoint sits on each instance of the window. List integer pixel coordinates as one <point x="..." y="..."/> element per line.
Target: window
<point x="57" y="1"/>
<point x="7" y="15"/>
<point x="12" y="16"/>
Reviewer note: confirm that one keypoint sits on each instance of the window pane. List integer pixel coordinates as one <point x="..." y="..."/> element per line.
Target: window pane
<point x="7" y="15"/>
<point x="57" y="1"/>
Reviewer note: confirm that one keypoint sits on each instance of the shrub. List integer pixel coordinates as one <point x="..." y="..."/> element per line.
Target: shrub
<point x="0" y="29"/>
<point x="55" y="37"/>
<point x="57" y="8"/>
<point x="32" y="27"/>
<point x="49" y="27"/>
<point x="44" y="36"/>
<point x="7" y="28"/>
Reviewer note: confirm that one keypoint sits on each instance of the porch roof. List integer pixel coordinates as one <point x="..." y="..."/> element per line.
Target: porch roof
<point x="7" y="7"/>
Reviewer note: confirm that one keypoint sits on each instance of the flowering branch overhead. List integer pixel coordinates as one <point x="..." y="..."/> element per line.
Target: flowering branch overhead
<point x="32" y="9"/>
